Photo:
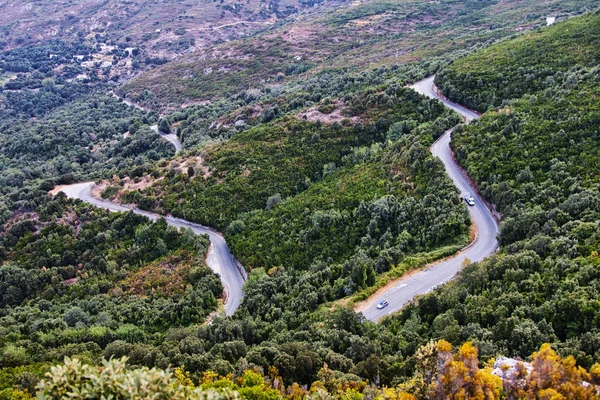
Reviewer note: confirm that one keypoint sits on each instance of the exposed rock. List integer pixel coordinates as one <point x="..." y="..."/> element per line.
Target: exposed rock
<point x="512" y="371"/>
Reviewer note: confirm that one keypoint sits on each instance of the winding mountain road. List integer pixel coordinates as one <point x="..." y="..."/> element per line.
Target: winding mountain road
<point x="406" y="289"/>
<point x="219" y="257"/>
<point x="171" y="137"/>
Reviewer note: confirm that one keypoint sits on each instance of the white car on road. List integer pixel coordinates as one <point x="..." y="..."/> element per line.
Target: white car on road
<point x="382" y="304"/>
<point x="469" y="200"/>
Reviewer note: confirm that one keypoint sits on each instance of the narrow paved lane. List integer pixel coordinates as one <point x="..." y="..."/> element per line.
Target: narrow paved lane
<point x="171" y="137"/>
<point x="404" y="290"/>
<point x="219" y="257"/>
<point x="427" y="88"/>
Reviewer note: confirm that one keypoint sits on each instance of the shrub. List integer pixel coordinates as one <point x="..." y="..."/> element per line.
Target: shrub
<point x="112" y="379"/>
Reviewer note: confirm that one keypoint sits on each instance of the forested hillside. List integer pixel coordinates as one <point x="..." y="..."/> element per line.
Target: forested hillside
<point x="61" y="135"/>
<point x="292" y="192"/>
<point x="540" y="288"/>
<point x="60" y="124"/>
<point x="536" y="160"/>
<point x="77" y="281"/>
<point x="529" y="64"/>
<point x="304" y="146"/>
<point x="84" y="137"/>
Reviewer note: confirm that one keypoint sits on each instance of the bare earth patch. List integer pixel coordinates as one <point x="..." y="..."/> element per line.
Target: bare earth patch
<point x="313" y="115"/>
<point x="57" y="189"/>
<point x="181" y="165"/>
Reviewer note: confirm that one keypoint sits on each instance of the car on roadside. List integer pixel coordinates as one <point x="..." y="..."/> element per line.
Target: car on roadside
<point x="469" y="200"/>
<point x="383" y="304"/>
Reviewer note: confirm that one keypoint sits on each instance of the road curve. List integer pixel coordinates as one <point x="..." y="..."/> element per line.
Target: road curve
<point x="404" y="290"/>
<point x="219" y="257"/>
<point x="171" y="137"/>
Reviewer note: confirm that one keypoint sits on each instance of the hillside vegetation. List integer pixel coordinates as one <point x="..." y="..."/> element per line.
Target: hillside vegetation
<point x="75" y="280"/>
<point x="323" y="185"/>
<point x="360" y="36"/>
<point x="295" y="195"/>
<point x="69" y="141"/>
<point x="525" y="65"/>
<point x="535" y="159"/>
<point x="540" y="288"/>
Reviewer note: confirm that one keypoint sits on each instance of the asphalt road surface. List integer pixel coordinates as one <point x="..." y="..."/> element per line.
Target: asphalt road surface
<point x="219" y="258"/>
<point x="405" y="290"/>
<point x="171" y="137"/>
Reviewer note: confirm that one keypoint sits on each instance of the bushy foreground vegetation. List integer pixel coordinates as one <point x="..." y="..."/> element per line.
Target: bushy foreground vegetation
<point x="440" y="373"/>
<point x="114" y="380"/>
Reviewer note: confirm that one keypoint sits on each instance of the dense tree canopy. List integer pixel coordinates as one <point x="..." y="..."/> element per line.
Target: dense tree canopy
<point x="526" y="65"/>
<point x="77" y="280"/>
<point x="323" y="189"/>
<point x="536" y="160"/>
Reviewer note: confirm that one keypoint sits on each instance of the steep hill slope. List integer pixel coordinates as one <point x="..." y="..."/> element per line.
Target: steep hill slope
<point x="361" y="35"/>
<point x="525" y="65"/>
<point x="535" y="159"/>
